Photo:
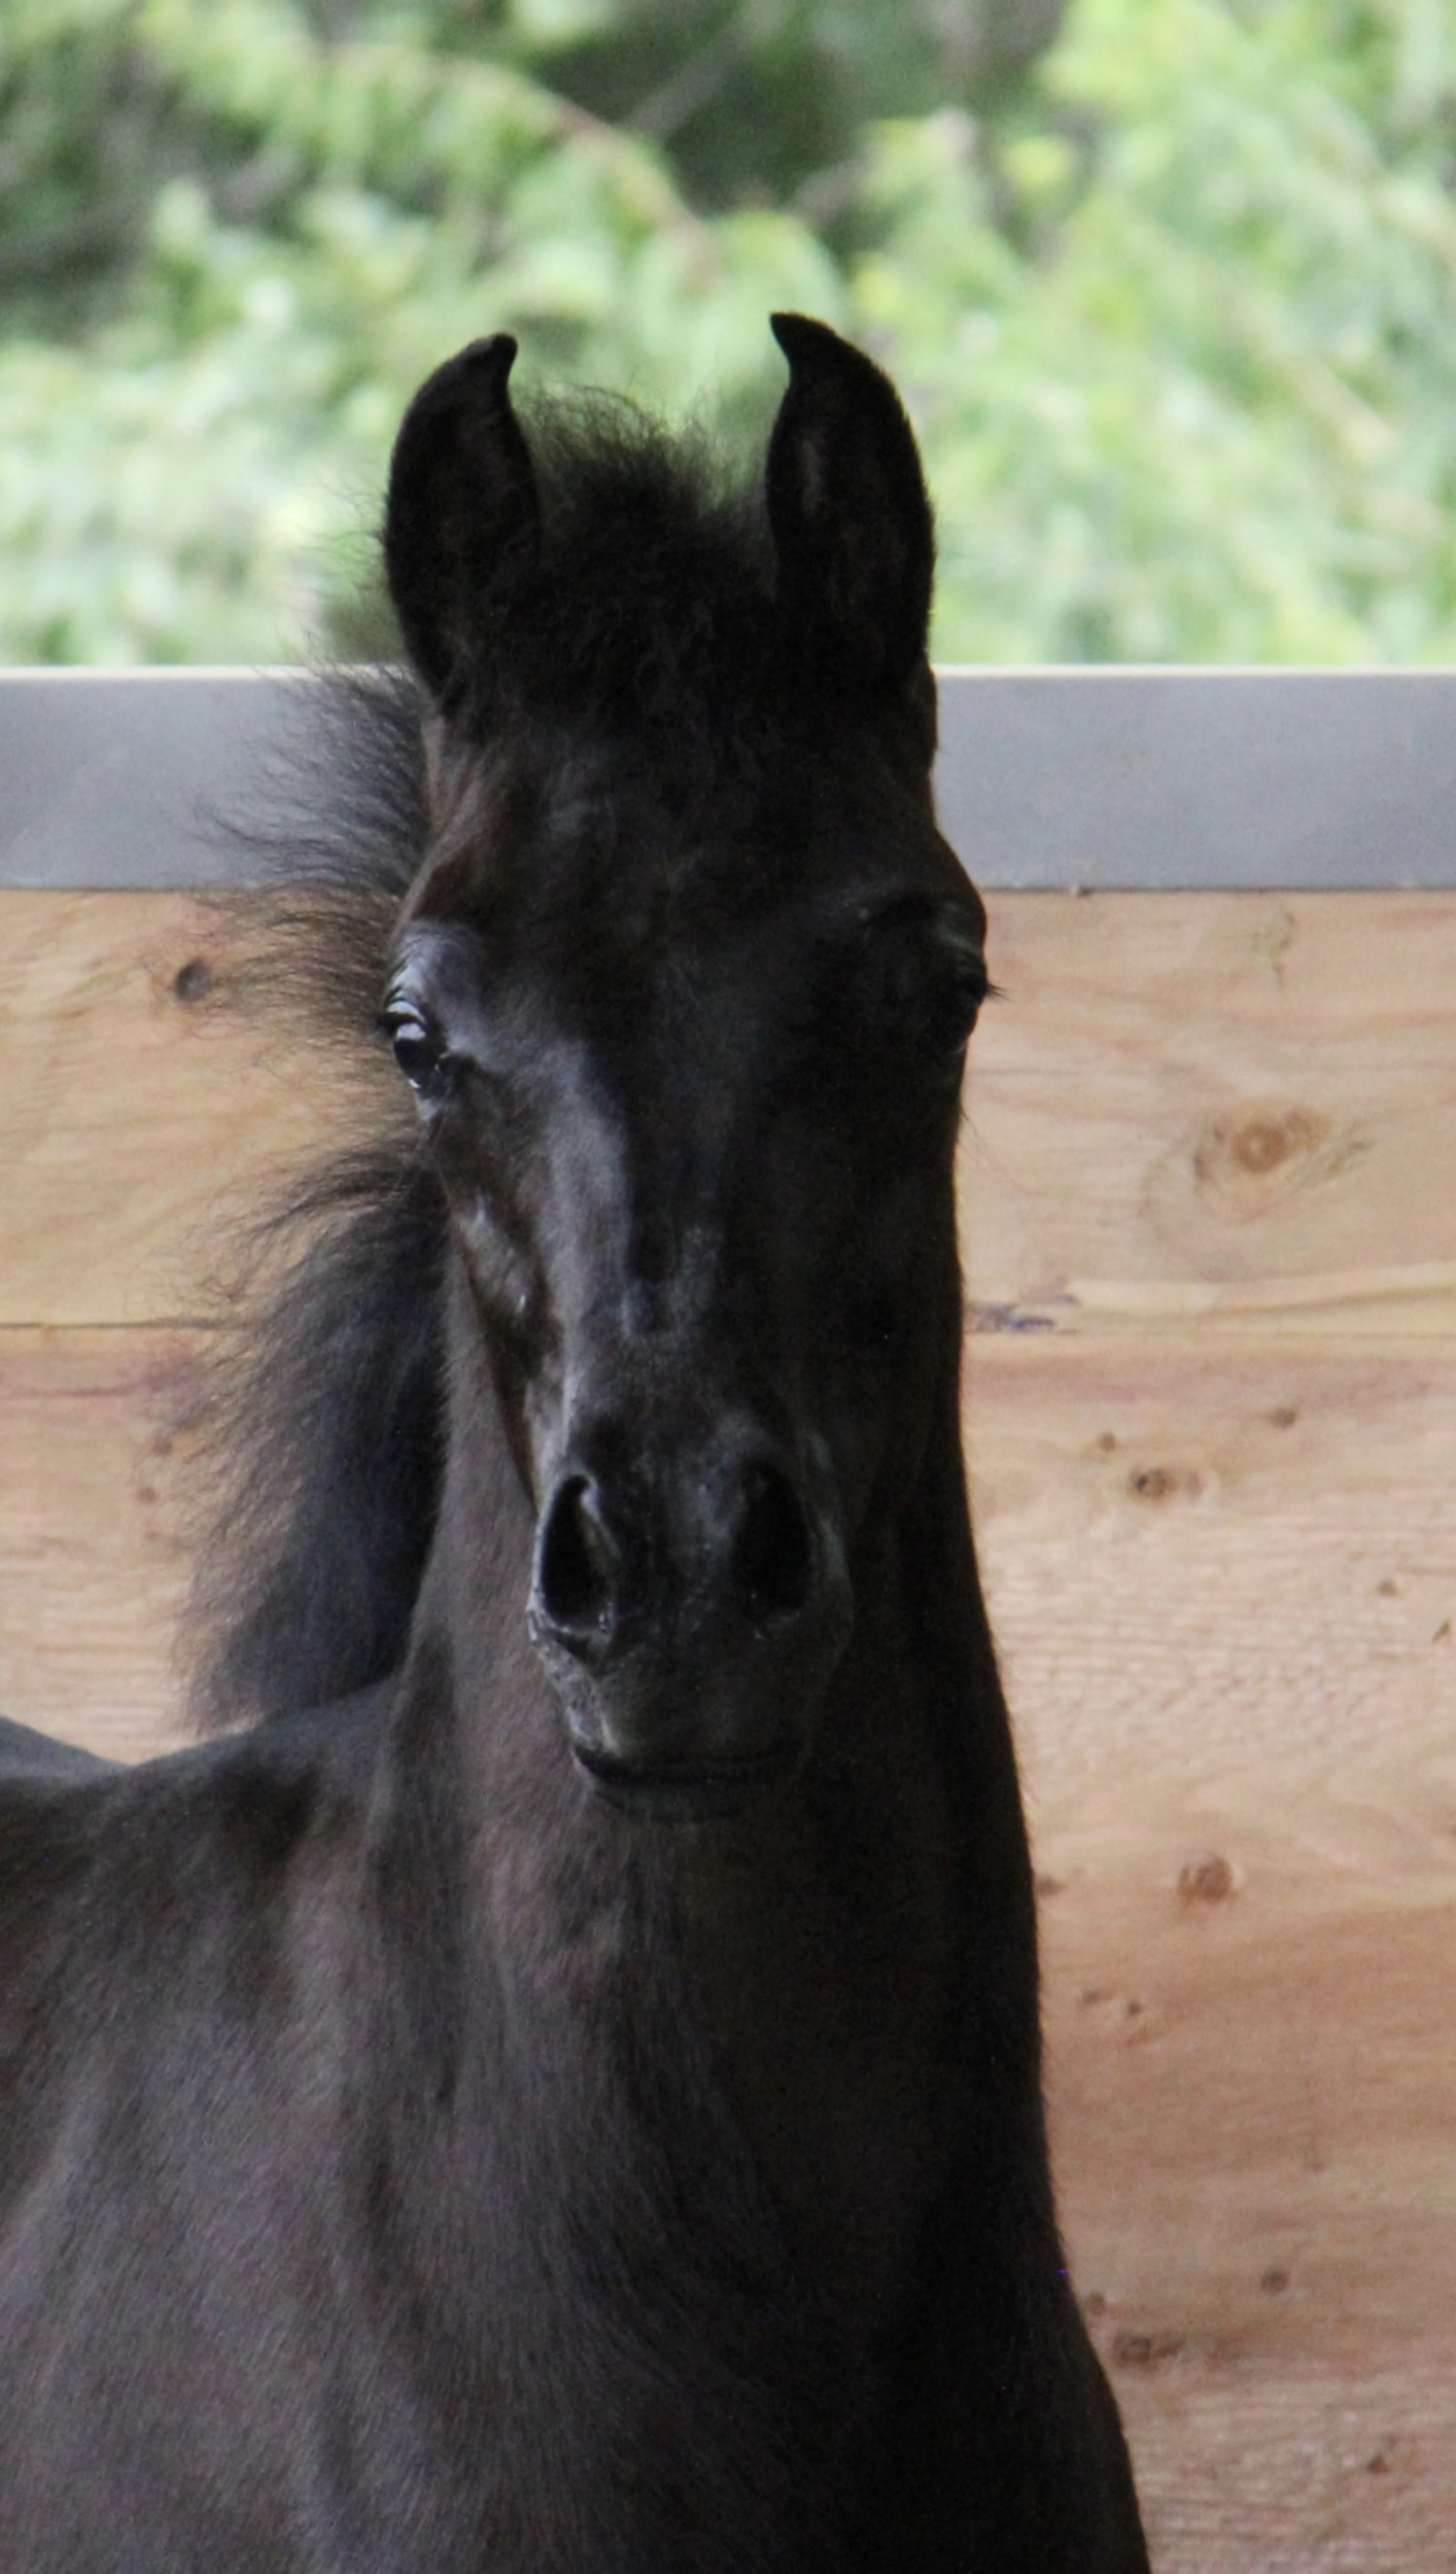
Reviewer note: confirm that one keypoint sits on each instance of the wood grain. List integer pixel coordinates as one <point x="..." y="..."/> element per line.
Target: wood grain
<point x="144" y="1102"/>
<point x="1214" y="1110"/>
<point x="1253" y="2102"/>
<point x="1209" y="1201"/>
<point x="1232" y="1110"/>
<point x="93" y="1532"/>
<point x="1222" y="1577"/>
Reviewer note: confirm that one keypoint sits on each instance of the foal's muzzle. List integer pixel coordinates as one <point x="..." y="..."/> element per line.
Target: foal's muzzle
<point x="689" y="1619"/>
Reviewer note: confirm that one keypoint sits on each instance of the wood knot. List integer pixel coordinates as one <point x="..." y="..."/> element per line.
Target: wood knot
<point x="1210" y="1879"/>
<point x="1113" y="2010"/>
<point x="1262" y="1143"/>
<point x="1145" y="2349"/>
<point x="1247" y="1159"/>
<point x="194" y="981"/>
<point x="1258" y="1141"/>
<point x="1161" y="1483"/>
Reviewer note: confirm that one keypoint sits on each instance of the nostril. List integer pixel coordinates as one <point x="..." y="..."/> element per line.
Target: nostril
<point x="575" y="1563"/>
<point x="772" y="1557"/>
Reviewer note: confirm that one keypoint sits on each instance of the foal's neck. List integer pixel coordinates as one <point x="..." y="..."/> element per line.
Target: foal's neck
<point x="805" y="1956"/>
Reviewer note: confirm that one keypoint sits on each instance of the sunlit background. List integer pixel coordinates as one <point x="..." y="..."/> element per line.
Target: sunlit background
<point x="1170" y="287"/>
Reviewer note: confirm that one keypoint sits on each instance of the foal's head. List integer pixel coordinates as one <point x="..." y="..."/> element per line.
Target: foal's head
<point x="683" y="991"/>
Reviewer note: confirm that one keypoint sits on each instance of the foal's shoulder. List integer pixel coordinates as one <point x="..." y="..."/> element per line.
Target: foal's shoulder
<point x="25" y="1752"/>
<point x="234" y="1807"/>
<point x="48" y="1799"/>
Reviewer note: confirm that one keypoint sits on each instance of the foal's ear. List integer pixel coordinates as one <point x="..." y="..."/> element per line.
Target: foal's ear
<point x="848" y="510"/>
<point x="462" y="504"/>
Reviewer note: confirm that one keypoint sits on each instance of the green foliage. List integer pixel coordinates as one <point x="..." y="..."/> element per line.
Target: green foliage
<point x="1174" y="309"/>
<point x="1184" y="345"/>
<point x="767" y="102"/>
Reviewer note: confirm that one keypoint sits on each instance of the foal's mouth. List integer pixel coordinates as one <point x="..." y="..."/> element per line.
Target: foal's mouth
<point x="683" y="1790"/>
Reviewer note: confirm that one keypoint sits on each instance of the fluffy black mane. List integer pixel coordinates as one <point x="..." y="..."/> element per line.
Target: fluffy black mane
<point x="319" y="1410"/>
<point x="649" y="620"/>
<point x="649" y="611"/>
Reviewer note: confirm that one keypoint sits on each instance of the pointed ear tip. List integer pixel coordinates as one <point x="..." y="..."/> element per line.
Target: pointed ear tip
<point x="491" y="358"/>
<point x="474" y="376"/>
<point x="813" y="350"/>
<point x="798" y="335"/>
<point x="486" y="362"/>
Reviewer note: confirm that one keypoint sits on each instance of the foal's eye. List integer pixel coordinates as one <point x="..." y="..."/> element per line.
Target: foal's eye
<point x="931" y="983"/>
<point x="416" y="1050"/>
<point x="951" y="1004"/>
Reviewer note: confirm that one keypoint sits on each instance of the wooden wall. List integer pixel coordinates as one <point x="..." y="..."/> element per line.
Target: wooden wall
<point x="1209" y="1194"/>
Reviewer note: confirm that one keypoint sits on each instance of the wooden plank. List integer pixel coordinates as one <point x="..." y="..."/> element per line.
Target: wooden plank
<point x="1253" y="2107"/>
<point x="1211" y="1110"/>
<point x="93" y="1561"/>
<point x="1224" y="1582"/>
<point x="1232" y="1110"/>
<point x="141" y="1104"/>
<point x="1215" y="1104"/>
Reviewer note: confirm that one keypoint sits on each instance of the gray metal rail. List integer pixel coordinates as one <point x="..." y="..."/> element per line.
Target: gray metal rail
<point x="1163" y="778"/>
